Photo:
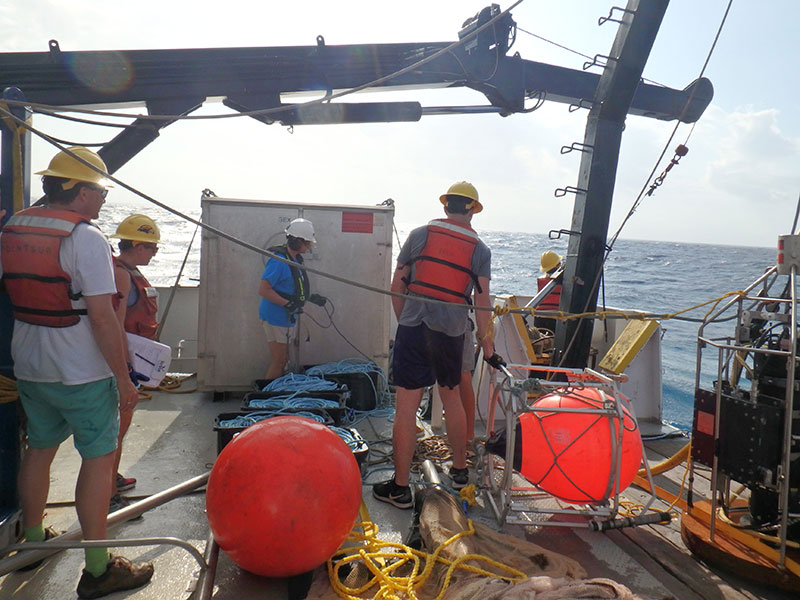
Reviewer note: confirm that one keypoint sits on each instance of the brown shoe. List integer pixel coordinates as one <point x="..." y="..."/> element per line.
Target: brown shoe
<point x="121" y="574"/>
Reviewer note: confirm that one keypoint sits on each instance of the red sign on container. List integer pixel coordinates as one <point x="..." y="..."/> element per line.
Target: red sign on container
<point x="356" y="222"/>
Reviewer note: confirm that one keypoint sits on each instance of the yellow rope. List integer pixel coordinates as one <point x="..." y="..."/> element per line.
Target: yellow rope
<point x="396" y="556"/>
<point x="8" y="390"/>
<point x="629" y="508"/>
<point x="604" y="314"/>
<point x="468" y="494"/>
<point x="762" y="536"/>
<point x="169" y="384"/>
<point x="669" y="463"/>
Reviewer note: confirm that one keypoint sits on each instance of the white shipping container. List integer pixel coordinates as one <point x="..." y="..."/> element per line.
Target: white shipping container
<point x="353" y="242"/>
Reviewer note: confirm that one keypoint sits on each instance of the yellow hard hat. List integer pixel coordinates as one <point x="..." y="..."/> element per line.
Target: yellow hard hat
<point x="466" y="189"/>
<point x="64" y="165"/>
<point x="550" y="260"/>
<point x="138" y="228"/>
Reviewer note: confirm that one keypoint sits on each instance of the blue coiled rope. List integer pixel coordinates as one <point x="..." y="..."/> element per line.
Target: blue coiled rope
<point x="352" y="442"/>
<point x="356" y="365"/>
<point x="295" y="382"/>
<point x="292" y="401"/>
<point x="253" y="418"/>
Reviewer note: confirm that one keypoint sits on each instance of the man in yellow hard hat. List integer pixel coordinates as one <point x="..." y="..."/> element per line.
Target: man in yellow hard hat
<point x="550" y="264"/>
<point x="444" y="260"/>
<point x="71" y="368"/>
<point x="136" y="305"/>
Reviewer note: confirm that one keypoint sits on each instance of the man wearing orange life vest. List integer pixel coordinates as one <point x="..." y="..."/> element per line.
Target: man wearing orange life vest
<point x="549" y="262"/>
<point x="69" y="361"/>
<point x="444" y="260"/>
<point x="136" y="306"/>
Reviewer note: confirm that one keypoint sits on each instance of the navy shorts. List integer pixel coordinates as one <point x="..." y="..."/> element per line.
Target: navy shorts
<point x="423" y="357"/>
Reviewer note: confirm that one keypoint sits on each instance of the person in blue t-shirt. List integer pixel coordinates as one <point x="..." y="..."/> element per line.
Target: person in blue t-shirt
<point x="284" y="289"/>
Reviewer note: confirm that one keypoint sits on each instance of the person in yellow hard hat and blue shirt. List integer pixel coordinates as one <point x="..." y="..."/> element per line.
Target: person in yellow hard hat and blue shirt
<point x="69" y="361"/>
<point x="444" y="260"/>
<point x="136" y="305"/>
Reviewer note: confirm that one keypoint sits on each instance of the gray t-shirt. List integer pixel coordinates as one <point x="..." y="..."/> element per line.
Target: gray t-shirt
<point x="448" y="319"/>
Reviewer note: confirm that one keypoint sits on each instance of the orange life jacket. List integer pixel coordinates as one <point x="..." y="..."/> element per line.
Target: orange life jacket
<point x="37" y="284"/>
<point x="553" y="299"/>
<point x="443" y="268"/>
<point x="140" y="317"/>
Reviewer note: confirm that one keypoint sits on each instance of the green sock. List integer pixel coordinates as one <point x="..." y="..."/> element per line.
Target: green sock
<point x="35" y="534"/>
<point x="96" y="560"/>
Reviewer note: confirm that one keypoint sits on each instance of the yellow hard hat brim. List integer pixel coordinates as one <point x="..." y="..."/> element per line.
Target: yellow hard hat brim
<point x="478" y="206"/>
<point x="71" y="183"/>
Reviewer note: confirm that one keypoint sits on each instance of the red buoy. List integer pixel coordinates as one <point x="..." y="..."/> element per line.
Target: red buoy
<point x="283" y="495"/>
<point x="572" y="456"/>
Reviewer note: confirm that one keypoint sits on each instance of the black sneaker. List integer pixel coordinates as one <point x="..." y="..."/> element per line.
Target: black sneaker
<point x="397" y="495"/>
<point x="125" y="483"/>
<point x="121" y="574"/>
<point x="119" y="502"/>
<point x="49" y="534"/>
<point x="459" y="477"/>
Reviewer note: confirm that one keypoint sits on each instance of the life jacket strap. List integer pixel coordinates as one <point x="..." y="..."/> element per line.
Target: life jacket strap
<point x="49" y="313"/>
<point x="469" y="272"/>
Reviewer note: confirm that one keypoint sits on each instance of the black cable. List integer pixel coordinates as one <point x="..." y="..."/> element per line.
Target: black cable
<point x="84" y="144"/>
<point x="332" y="323"/>
<point x="796" y="215"/>
<point x="581" y="54"/>
<point x="87" y="121"/>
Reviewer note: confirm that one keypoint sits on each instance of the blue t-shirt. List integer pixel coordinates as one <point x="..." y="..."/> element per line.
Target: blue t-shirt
<point x="279" y="276"/>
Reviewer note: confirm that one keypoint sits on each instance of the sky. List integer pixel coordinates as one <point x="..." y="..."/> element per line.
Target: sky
<point x="738" y="185"/>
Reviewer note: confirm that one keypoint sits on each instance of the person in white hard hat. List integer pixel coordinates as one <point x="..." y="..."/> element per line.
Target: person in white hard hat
<point x="284" y="289"/>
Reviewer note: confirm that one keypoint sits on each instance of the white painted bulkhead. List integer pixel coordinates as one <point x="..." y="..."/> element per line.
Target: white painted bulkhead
<point x="353" y="242"/>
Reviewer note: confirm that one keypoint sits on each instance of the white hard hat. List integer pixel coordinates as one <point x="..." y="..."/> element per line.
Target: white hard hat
<point x="303" y="229"/>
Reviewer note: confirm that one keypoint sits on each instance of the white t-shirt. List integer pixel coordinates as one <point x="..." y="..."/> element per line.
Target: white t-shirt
<point x="69" y="355"/>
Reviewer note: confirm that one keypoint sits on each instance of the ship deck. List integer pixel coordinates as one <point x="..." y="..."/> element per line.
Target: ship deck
<point x="172" y="441"/>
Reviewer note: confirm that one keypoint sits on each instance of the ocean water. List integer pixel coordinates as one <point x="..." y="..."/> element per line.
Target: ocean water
<point x="658" y="277"/>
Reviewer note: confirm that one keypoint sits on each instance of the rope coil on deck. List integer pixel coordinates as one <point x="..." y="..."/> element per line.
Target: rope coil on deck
<point x="384" y="559"/>
<point x="8" y="390"/>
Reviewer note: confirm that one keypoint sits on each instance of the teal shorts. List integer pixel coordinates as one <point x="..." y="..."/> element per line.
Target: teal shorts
<point x="89" y="412"/>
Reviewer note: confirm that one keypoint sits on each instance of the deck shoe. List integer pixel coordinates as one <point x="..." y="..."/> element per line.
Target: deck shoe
<point x="121" y="574"/>
<point x="118" y="502"/>
<point x="397" y="495"/>
<point x="125" y="483"/>
<point x="459" y="477"/>
<point x="49" y="534"/>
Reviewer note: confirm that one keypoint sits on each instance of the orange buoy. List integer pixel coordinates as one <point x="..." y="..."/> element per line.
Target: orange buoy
<point x="572" y="455"/>
<point x="283" y="495"/>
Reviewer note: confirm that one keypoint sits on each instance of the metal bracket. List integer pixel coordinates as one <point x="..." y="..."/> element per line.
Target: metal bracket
<point x="595" y="61"/>
<point x="55" y="50"/>
<point x="579" y="146"/>
<point x="582" y="103"/>
<point x="555" y="234"/>
<point x="603" y="20"/>
<point x="570" y="189"/>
